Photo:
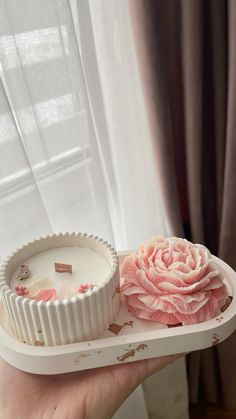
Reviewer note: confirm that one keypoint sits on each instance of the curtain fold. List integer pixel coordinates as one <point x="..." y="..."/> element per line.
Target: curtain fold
<point x="158" y="102"/>
<point x="192" y="61"/>
<point x="228" y="223"/>
<point x="186" y="53"/>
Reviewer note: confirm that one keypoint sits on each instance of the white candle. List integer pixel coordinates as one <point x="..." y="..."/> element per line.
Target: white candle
<point x="94" y="263"/>
<point x="88" y="267"/>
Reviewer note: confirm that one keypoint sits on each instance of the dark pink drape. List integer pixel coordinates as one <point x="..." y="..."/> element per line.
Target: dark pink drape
<point x="186" y="51"/>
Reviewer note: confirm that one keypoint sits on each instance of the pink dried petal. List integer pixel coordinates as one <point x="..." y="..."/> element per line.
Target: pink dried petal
<point x="46" y="295"/>
<point x="21" y="291"/>
<point x="83" y="288"/>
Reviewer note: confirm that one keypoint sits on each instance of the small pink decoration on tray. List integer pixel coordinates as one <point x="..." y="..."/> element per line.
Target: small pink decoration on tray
<point x="173" y="281"/>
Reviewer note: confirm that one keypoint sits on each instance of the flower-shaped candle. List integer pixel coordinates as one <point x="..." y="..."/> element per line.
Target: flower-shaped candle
<point x="173" y="281"/>
<point x="60" y="289"/>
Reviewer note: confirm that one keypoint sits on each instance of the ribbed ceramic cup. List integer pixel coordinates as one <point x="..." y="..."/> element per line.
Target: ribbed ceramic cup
<point x="82" y="317"/>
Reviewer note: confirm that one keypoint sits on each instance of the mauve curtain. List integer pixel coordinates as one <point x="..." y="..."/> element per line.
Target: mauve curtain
<point x="187" y="58"/>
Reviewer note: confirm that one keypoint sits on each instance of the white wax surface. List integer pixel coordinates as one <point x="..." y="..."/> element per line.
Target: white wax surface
<point x="87" y="267"/>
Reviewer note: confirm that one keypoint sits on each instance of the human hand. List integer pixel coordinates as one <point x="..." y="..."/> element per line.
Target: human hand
<point x="91" y="394"/>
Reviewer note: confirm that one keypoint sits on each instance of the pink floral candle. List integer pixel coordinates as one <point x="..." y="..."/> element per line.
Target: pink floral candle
<point x="173" y="281"/>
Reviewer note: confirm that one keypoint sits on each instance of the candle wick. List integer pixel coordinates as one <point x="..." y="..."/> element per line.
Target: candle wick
<point x="63" y="268"/>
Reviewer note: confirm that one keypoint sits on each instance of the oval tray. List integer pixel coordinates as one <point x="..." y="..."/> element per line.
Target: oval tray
<point x="127" y="339"/>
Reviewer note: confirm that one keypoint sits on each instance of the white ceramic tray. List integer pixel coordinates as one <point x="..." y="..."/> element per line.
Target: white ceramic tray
<point x="129" y="339"/>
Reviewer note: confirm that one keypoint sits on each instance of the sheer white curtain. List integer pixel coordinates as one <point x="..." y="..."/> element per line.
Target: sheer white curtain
<point x="50" y="170"/>
<point x="75" y="150"/>
<point x="56" y="174"/>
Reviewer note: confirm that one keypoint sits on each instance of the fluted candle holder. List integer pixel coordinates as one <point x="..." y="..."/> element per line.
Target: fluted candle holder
<point x="82" y="317"/>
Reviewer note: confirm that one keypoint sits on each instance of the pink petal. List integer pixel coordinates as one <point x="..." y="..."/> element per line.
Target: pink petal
<point x="83" y="288"/>
<point x="145" y="283"/>
<point x="158" y="316"/>
<point x="207" y="312"/>
<point x="46" y="295"/>
<point x="128" y="289"/>
<point x="180" y="266"/>
<point x="155" y="303"/>
<point x="128" y="268"/>
<point x="171" y="288"/>
<point x="190" y="307"/>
